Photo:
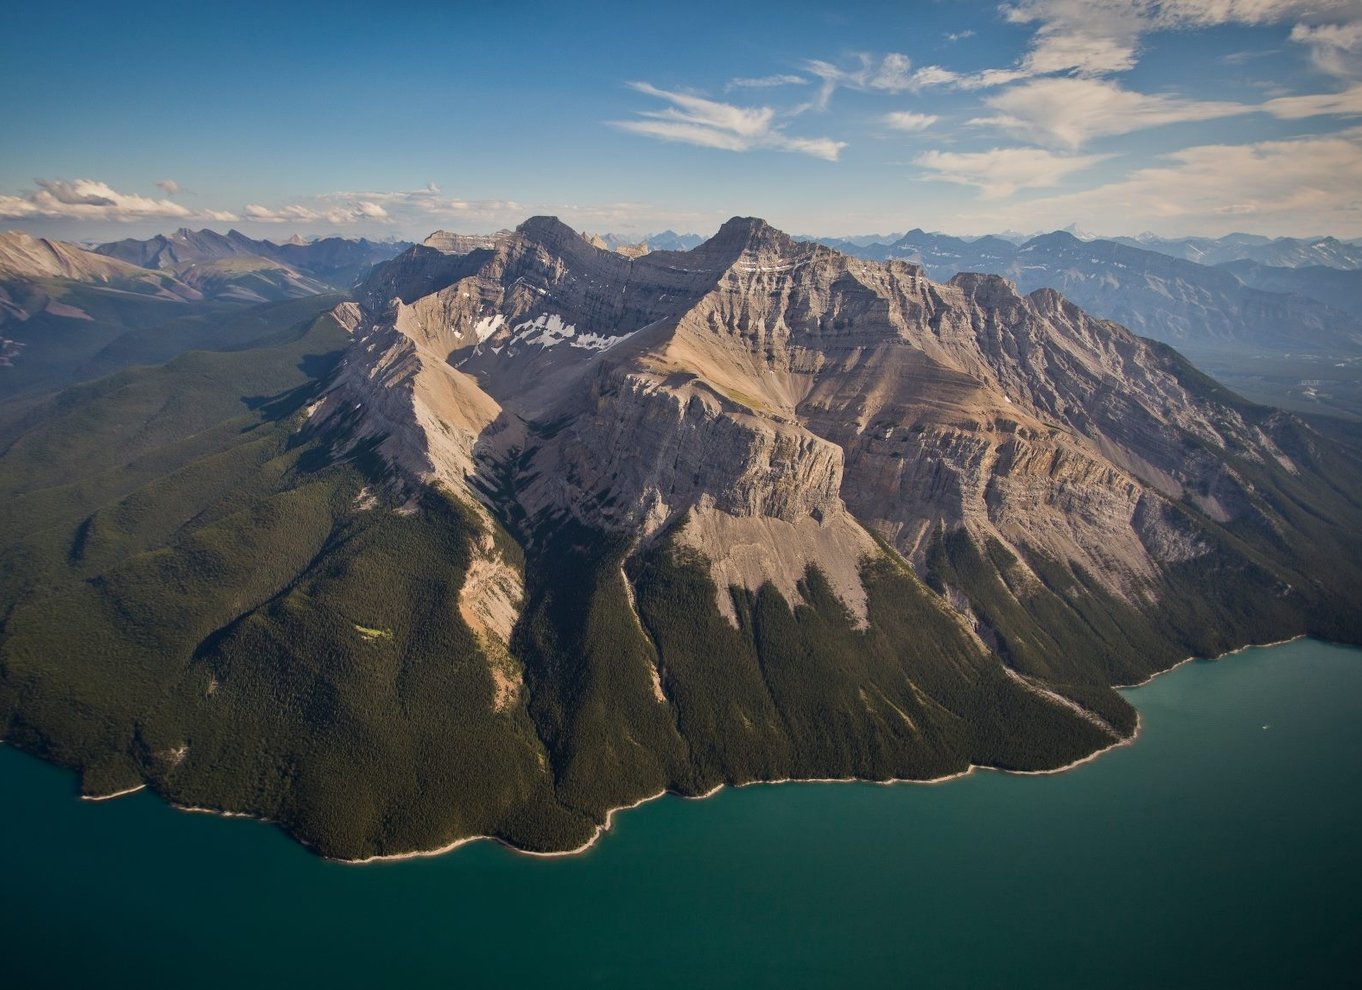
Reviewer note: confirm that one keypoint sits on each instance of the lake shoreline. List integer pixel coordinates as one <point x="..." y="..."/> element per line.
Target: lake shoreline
<point x="1209" y="817"/>
<point x="606" y="826"/>
<point x="930" y="781"/>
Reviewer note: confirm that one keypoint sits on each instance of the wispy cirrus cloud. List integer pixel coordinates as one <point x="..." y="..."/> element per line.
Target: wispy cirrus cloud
<point x="1246" y="57"/>
<point x="1345" y="103"/>
<point x="416" y="212"/>
<point x="86" y="199"/>
<point x="891" y="73"/>
<point x="1096" y="38"/>
<point x="709" y="123"/>
<point x="1070" y="111"/>
<point x="1000" y="172"/>
<point x="1059" y="90"/>
<point x="1276" y="187"/>
<point x="767" y="82"/>
<point x="279" y="214"/>
<point x="909" y="122"/>
<point x="335" y="215"/>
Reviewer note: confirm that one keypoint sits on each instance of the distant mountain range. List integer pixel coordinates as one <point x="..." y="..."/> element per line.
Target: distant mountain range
<point x="668" y="240"/>
<point x="1281" y="252"/>
<point x="25" y="259"/>
<point x="70" y="313"/>
<point x="1306" y="303"/>
<point x="234" y="266"/>
<point x="1288" y="336"/>
<point x="191" y="265"/>
<point x="1184" y="303"/>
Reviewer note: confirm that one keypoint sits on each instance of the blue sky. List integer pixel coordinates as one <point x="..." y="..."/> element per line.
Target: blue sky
<point x="1173" y="116"/>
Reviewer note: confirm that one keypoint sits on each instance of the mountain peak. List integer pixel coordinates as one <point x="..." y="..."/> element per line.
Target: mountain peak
<point x="438" y="237"/>
<point x="748" y="235"/>
<point x="747" y="230"/>
<point x="549" y="231"/>
<point x="1054" y="239"/>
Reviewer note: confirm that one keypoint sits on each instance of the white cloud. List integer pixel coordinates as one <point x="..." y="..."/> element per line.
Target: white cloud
<point x="427" y="195"/>
<point x="1348" y="103"/>
<point x="86" y="199"/>
<point x="1070" y="111"/>
<point x="892" y="75"/>
<point x="1334" y="48"/>
<point x="954" y="36"/>
<point x="1284" y="187"/>
<point x="919" y="79"/>
<point x="889" y="73"/>
<point x="1210" y="13"/>
<point x="401" y="204"/>
<point x="990" y="78"/>
<point x="1000" y="172"/>
<point x="168" y="186"/>
<point x="1103" y="37"/>
<point x="336" y="209"/>
<point x="935" y="75"/>
<point x="906" y="120"/>
<point x="711" y="124"/>
<point x="767" y="82"/>
<point x="411" y="213"/>
<point x="1090" y="37"/>
<point x="416" y="212"/>
<point x="1245" y="57"/>
<point x="283" y="214"/>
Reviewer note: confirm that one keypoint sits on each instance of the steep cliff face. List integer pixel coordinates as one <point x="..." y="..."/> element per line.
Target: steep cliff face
<point x="759" y="380"/>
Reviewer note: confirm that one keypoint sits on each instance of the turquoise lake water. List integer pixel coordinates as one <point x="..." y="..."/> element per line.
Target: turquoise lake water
<point x="1223" y="848"/>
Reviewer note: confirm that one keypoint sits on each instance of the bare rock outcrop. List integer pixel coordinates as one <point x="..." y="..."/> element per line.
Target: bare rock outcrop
<point x="776" y="402"/>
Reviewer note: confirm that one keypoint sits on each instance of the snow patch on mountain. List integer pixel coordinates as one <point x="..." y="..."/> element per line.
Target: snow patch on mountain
<point x="549" y="329"/>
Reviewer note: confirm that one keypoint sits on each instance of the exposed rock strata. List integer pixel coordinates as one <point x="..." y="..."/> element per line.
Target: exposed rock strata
<point x="778" y="399"/>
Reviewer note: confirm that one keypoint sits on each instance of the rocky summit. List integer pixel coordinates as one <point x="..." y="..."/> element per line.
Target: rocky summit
<point x="549" y="528"/>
